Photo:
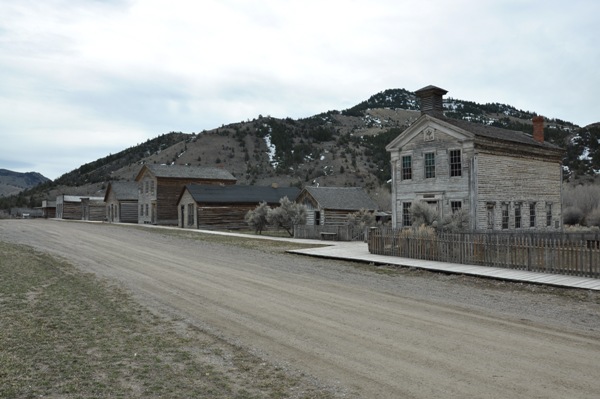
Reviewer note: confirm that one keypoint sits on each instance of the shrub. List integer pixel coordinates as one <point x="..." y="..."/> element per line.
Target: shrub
<point x="573" y="215"/>
<point x="257" y="218"/>
<point x="593" y="218"/>
<point x="457" y="221"/>
<point x="361" y="219"/>
<point x="422" y="213"/>
<point x="287" y="215"/>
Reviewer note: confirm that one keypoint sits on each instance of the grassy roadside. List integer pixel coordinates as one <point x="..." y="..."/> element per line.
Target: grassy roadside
<point x="67" y="334"/>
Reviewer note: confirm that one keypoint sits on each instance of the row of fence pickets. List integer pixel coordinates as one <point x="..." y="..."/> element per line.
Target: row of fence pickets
<point x="569" y="254"/>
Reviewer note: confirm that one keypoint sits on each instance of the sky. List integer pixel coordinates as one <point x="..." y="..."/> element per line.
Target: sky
<point x="82" y="79"/>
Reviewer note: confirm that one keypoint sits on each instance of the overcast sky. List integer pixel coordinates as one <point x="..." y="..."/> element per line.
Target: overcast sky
<point x="81" y="79"/>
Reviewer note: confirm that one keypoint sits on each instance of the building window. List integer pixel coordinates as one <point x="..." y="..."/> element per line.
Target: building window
<point x="406" y="167"/>
<point x="406" y="222"/>
<point x="429" y="165"/>
<point x="549" y="214"/>
<point x="152" y="187"/>
<point x="490" y="206"/>
<point x="517" y="216"/>
<point x="147" y="213"/>
<point x="532" y="214"/>
<point x="455" y="163"/>
<point x="190" y="214"/>
<point x="505" y="216"/>
<point x="141" y="209"/>
<point x="455" y="206"/>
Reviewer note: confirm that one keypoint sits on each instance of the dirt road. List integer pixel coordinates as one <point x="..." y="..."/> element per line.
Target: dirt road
<point x="373" y="335"/>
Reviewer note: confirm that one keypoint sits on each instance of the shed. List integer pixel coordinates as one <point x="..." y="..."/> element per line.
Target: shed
<point x="225" y="207"/>
<point x="160" y="187"/>
<point x="121" y="200"/>
<point x="48" y="209"/>
<point x="71" y="207"/>
<point x="68" y="207"/>
<point x="331" y="205"/>
<point x="93" y="208"/>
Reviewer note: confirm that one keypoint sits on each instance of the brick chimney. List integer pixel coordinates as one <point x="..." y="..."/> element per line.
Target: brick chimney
<point x="431" y="98"/>
<point x="538" y="128"/>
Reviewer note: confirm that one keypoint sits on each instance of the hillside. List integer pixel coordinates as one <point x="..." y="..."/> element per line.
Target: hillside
<point x="12" y="183"/>
<point x="334" y="148"/>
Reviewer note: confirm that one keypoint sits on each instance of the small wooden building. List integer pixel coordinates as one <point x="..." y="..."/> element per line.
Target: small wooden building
<point x="93" y="208"/>
<point x="68" y="207"/>
<point x="160" y="187"/>
<point x="225" y="207"/>
<point x="71" y="207"/>
<point x="121" y="200"/>
<point x="48" y="209"/>
<point x="331" y="205"/>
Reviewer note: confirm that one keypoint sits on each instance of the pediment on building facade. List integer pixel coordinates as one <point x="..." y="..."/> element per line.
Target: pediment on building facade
<point x="428" y="128"/>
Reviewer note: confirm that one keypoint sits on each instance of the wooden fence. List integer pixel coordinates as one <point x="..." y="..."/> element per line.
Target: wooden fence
<point x="576" y="255"/>
<point x="337" y="233"/>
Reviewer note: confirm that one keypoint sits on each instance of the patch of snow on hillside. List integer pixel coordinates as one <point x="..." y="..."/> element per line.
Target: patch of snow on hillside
<point x="585" y="155"/>
<point x="271" y="149"/>
<point x="322" y="157"/>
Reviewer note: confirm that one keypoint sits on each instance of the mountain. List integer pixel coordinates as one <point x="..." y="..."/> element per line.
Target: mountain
<point x="12" y="183"/>
<point x="334" y="148"/>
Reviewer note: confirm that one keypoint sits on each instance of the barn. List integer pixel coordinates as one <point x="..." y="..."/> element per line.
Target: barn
<point x="160" y="187"/>
<point x="224" y="207"/>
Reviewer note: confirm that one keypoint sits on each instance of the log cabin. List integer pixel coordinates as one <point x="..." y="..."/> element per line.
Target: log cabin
<point x="225" y="207"/>
<point x="159" y="188"/>
<point x="330" y="206"/>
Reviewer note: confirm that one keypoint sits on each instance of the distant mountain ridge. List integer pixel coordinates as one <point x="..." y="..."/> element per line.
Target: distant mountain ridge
<point x="341" y="148"/>
<point x="12" y="183"/>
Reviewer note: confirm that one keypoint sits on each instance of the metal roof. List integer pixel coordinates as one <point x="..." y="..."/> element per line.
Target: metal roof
<point x="124" y="190"/>
<point x="343" y="198"/>
<point x="187" y="172"/>
<point x="211" y="194"/>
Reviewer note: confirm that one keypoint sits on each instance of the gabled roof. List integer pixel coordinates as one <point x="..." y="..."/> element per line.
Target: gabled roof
<point x="472" y="130"/>
<point x="210" y="194"/>
<point x="124" y="190"/>
<point x="186" y="172"/>
<point x="497" y="133"/>
<point x="343" y="198"/>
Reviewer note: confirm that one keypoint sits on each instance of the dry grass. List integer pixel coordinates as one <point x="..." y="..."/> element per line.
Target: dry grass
<point x="65" y="334"/>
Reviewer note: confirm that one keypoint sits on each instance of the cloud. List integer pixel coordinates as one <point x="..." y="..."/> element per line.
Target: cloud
<point x="105" y="75"/>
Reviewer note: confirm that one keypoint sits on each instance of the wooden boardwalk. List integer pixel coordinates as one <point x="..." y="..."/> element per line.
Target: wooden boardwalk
<point x="358" y="251"/>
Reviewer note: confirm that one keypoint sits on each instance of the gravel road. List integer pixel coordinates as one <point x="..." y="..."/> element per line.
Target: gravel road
<point x="368" y="332"/>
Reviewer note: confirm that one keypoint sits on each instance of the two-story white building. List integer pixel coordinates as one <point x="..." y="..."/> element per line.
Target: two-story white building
<point x="504" y="179"/>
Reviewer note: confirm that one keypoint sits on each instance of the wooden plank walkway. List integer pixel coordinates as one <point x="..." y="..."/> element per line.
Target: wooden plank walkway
<point x="358" y="251"/>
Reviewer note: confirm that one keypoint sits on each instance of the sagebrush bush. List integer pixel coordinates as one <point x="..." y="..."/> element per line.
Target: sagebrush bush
<point x="421" y="213"/>
<point x="457" y="221"/>
<point x="593" y="218"/>
<point x="572" y="216"/>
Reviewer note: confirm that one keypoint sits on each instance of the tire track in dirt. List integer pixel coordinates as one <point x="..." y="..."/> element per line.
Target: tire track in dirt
<point x="352" y="333"/>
